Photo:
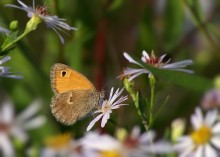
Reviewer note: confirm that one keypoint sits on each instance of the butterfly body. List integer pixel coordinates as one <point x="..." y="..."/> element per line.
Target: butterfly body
<point x="75" y="96"/>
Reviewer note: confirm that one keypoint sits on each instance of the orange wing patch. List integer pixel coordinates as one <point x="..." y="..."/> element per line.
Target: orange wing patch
<point x="64" y="78"/>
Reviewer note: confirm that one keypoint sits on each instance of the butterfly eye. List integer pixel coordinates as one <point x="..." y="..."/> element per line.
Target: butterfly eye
<point x="63" y="73"/>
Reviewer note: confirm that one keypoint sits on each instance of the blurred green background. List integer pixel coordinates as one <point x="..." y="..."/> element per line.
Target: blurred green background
<point x="182" y="29"/>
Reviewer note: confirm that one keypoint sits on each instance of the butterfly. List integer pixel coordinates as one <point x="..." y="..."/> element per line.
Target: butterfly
<point x="75" y="96"/>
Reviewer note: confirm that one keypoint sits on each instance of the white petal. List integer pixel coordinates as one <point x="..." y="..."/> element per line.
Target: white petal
<point x="198" y="113"/>
<point x="145" y="56"/>
<point x="105" y="119"/>
<point x="162" y="57"/>
<point x="5" y="59"/>
<point x="120" y="100"/>
<point x="29" y="112"/>
<point x="197" y="118"/>
<point x="185" y="152"/>
<point x="131" y="60"/>
<point x="180" y="64"/>
<point x="22" y="4"/>
<point x="216" y="128"/>
<point x="135" y="132"/>
<point x="147" y="137"/>
<point x="6" y="146"/>
<point x="92" y="123"/>
<point x="216" y="141"/>
<point x="160" y="147"/>
<point x="132" y="71"/>
<point x="143" y="59"/>
<point x="34" y="123"/>
<point x="196" y="125"/>
<point x="199" y="151"/>
<point x="7" y="113"/>
<point x="209" y="151"/>
<point x="112" y="99"/>
<point x="117" y="106"/>
<point x="48" y="152"/>
<point x="19" y="133"/>
<point x="6" y="32"/>
<point x="115" y="96"/>
<point x="183" y="143"/>
<point x="111" y="93"/>
<point x="211" y="117"/>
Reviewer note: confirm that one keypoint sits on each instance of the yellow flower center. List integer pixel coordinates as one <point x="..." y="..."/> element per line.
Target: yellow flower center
<point x="59" y="141"/>
<point x="110" y="153"/>
<point x="202" y="135"/>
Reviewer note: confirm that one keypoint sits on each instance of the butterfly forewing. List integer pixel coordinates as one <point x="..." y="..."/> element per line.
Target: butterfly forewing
<point x="64" y="78"/>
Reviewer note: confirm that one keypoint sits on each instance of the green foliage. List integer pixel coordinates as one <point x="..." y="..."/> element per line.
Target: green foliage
<point x="183" y="29"/>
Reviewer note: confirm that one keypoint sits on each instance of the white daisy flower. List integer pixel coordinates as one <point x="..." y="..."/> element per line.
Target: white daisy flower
<point x="17" y="126"/>
<point x="4" y="71"/>
<point x="107" y="106"/>
<point x="153" y="61"/>
<point x="204" y="141"/>
<point x="53" y="22"/>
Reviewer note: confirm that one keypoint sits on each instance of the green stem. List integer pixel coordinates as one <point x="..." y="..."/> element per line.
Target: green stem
<point x="152" y="86"/>
<point x="9" y="45"/>
<point x="129" y="86"/>
<point x="137" y="104"/>
<point x="31" y="25"/>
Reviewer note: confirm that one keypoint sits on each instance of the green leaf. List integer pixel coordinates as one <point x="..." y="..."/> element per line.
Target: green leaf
<point x="10" y="39"/>
<point x="189" y="81"/>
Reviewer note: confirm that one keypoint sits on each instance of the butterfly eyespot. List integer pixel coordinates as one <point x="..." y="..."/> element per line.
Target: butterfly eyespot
<point x="63" y="73"/>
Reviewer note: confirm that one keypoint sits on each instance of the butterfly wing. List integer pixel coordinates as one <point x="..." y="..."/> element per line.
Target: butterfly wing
<point x="64" y="78"/>
<point x="71" y="106"/>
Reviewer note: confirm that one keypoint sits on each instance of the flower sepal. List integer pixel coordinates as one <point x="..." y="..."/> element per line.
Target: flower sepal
<point x="32" y="24"/>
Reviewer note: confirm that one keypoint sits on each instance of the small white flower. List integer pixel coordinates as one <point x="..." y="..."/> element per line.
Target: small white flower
<point x="4" y="71"/>
<point x="154" y="61"/>
<point x="107" y="106"/>
<point x="17" y="126"/>
<point x="53" y="22"/>
<point x="204" y="141"/>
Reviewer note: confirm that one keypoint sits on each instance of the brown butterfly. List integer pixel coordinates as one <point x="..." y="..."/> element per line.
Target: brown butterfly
<point x="75" y="96"/>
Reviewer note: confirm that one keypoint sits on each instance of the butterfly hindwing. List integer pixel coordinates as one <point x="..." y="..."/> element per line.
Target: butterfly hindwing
<point x="71" y="106"/>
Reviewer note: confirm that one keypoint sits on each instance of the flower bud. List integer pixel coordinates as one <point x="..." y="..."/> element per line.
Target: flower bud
<point x="13" y="25"/>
